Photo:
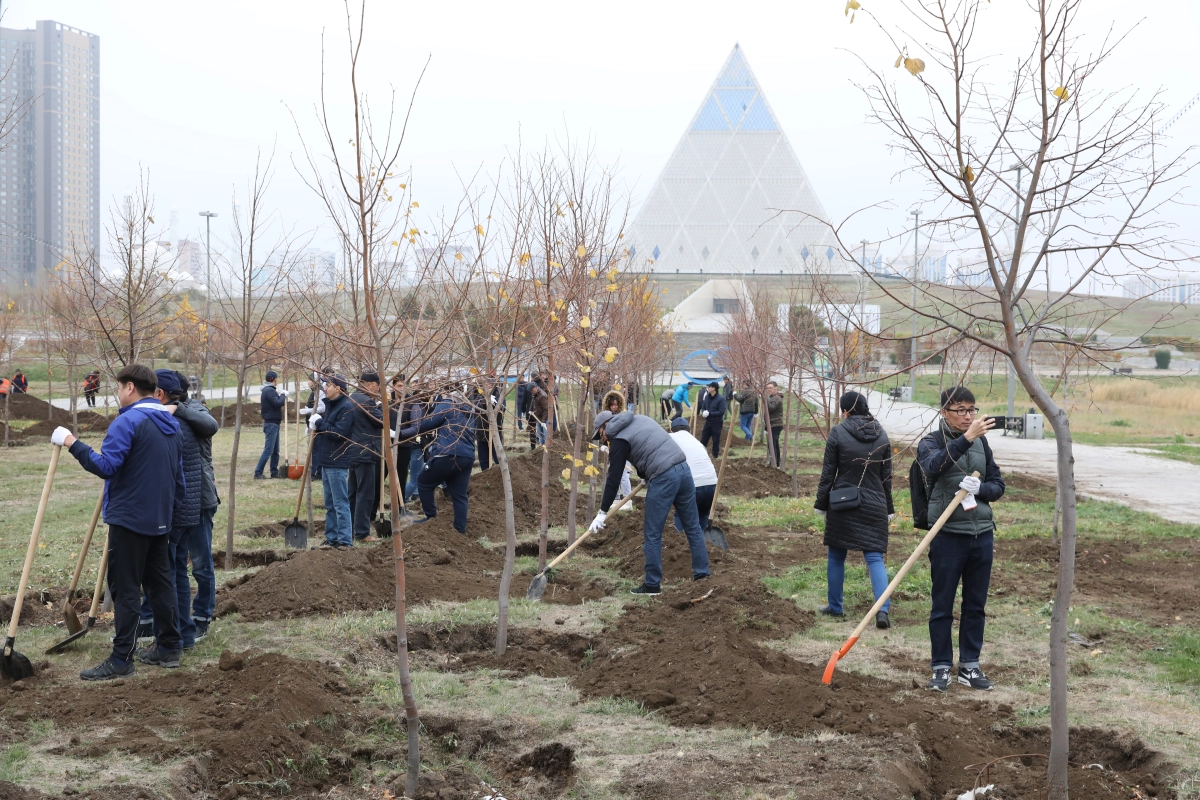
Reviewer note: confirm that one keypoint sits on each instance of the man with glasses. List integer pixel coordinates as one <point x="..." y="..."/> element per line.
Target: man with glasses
<point x="962" y="550"/>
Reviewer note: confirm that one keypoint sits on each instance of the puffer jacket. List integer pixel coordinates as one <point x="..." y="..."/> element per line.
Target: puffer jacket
<point x="195" y="415"/>
<point x="858" y="453"/>
<point x="775" y="411"/>
<point x="714" y="405"/>
<point x="271" y="403"/>
<point x="333" y="447"/>
<point x="186" y="512"/>
<point x="366" y="425"/>
<point x="454" y="421"/>
<point x="747" y="402"/>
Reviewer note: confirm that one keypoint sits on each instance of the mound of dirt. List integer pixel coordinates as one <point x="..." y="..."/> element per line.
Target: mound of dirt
<point x="275" y="529"/>
<point x="260" y="717"/>
<point x="26" y="406"/>
<point x="226" y="414"/>
<point x="756" y="479"/>
<point x="530" y="651"/>
<point x="251" y="558"/>
<point x="43" y="606"/>
<point x="487" y="496"/>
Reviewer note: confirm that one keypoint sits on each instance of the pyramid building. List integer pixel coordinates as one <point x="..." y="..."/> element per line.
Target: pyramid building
<point x="714" y="207"/>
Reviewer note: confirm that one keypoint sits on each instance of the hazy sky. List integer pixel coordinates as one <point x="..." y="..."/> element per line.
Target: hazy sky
<point x="190" y="91"/>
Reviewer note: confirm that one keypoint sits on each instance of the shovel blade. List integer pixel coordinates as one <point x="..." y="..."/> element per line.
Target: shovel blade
<point x="295" y="535"/>
<point x="75" y="636"/>
<point x="715" y="536"/>
<point x="71" y="619"/>
<point x="13" y="665"/>
<point x="537" y="588"/>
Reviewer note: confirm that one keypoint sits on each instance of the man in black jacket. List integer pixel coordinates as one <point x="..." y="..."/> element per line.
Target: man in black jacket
<point x="712" y="407"/>
<point x="366" y="456"/>
<point x="963" y="549"/>
<point x="271" y="401"/>
<point x="193" y="414"/>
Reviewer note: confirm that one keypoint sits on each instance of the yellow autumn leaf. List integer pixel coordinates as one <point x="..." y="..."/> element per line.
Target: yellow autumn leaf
<point x="553" y="317"/>
<point x="568" y="457"/>
<point x="403" y="186"/>
<point x="562" y="340"/>
<point x="559" y="303"/>
<point x="585" y="323"/>
<point x="479" y="229"/>
<point x="581" y="251"/>
<point x="522" y="334"/>
<point x="852" y="18"/>
<point x="612" y="287"/>
<point x="611" y="354"/>
<point x="968" y="174"/>
<point x="1061" y="93"/>
<point x="415" y="204"/>
<point x="566" y="474"/>
<point x="473" y="371"/>
<point x="579" y="462"/>
<point x="583" y="368"/>
<point x="537" y="283"/>
<point x="591" y="273"/>
<point x="915" y="66"/>
<point x="458" y="256"/>
<point x="899" y="61"/>
<point x="588" y="456"/>
<point x="851" y="5"/>
<point x="586" y="353"/>
<point x="555" y="264"/>
<point x="591" y="471"/>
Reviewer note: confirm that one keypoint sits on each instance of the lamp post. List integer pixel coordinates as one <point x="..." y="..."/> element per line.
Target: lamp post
<point x="208" y="216"/>
<point x="1018" y="167"/>
<point x="912" y="378"/>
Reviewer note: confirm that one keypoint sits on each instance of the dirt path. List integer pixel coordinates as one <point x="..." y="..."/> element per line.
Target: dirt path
<point x="1120" y="474"/>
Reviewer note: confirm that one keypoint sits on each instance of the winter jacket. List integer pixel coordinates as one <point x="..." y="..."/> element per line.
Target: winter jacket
<point x="775" y="411"/>
<point x="747" y="402"/>
<point x="714" y="405"/>
<point x="454" y="420"/>
<point x="680" y="395"/>
<point x="334" y="445"/>
<point x="403" y="414"/>
<point x="946" y="457"/>
<point x="195" y="415"/>
<point x="91" y="383"/>
<point x="539" y="405"/>
<point x="365" y="429"/>
<point x="858" y="453"/>
<point x="141" y="462"/>
<point x="522" y="398"/>
<point x="20" y="383"/>
<point x="637" y="440"/>
<point x="272" y="403"/>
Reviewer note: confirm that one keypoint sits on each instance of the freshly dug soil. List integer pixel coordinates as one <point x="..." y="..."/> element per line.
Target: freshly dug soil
<point x="756" y="479"/>
<point x="26" y="406"/>
<point x="275" y="529"/>
<point x="226" y="414"/>
<point x="530" y="651"/>
<point x="44" y="606"/>
<point x="487" y="497"/>
<point x="251" y="558"/>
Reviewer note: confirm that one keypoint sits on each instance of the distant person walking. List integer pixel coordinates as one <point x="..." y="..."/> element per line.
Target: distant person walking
<point x="858" y="460"/>
<point x="748" y="408"/>
<point x="20" y="384"/>
<point x="712" y="408"/>
<point x="91" y="386"/>
<point x="271" y="402"/>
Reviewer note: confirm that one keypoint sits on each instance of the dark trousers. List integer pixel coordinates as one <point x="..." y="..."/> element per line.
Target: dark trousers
<point x="360" y="485"/>
<point x="775" y="431"/>
<point x="90" y="397"/>
<point x="403" y="456"/>
<point x="672" y="489"/>
<point x="712" y="430"/>
<point x="482" y="438"/>
<point x="954" y="559"/>
<point x="678" y="409"/>
<point x="135" y="561"/>
<point x="664" y="407"/>
<point x="200" y="551"/>
<point x="177" y="554"/>
<point x="455" y="472"/>
<point x="270" y="450"/>
<point x="704" y="501"/>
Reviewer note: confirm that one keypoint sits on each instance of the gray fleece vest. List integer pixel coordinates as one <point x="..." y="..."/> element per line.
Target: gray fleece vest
<point x="651" y="449"/>
<point x="978" y="520"/>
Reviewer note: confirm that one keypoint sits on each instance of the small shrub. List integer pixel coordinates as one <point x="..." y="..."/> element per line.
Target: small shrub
<point x="1121" y="423"/>
<point x="1162" y="359"/>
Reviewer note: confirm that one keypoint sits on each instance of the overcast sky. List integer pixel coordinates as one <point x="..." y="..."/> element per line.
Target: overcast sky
<point x="190" y="91"/>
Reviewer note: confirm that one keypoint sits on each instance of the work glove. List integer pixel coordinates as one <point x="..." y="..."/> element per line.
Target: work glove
<point x="313" y="420"/>
<point x="283" y="394"/>
<point x="704" y="414"/>
<point x="393" y="434"/>
<point x="603" y="448"/>
<point x="971" y="484"/>
<point x="598" y="522"/>
<point x="891" y="517"/>
<point x="59" y="437"/>
<point x="304" y="412"/>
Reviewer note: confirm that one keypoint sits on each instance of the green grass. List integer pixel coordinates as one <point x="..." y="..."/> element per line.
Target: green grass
<point x="786" y="513"/>
<point x="1179" y="658"/>
<point x="12" y="762"/>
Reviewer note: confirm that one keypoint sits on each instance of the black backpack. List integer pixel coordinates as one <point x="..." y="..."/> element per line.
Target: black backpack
<point x="919" y="493"/>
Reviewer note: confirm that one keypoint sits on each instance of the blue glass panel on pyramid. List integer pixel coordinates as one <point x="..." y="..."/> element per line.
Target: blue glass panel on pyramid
<point x="829" y="254"/>
<point x="735" y="102"/>
<point x="736" y="73"/>
<point x="711" y="118"/>
<point x="804" y="253"/>
<point x="758" y="118"/>
<point x="656" y="252"/>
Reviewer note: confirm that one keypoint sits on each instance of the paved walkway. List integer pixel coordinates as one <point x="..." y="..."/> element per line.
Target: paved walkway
<point x="1121" y="474"/>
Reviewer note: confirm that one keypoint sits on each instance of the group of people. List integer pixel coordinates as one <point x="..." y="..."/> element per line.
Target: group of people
<point x="18" y="385"/>
<point x="160" y="497"/>
<point x="855" y="498"/>
<point x="715" y="401"/>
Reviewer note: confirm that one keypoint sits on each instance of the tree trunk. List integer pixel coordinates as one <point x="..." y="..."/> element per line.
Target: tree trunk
<point x="74" y="399"/>
<point x="545" y="521"/>
<point x="1059" y="724"/>
<point x="576" y="451"/>
<point x="233" y="465"/>
<point x="510" y="528"/>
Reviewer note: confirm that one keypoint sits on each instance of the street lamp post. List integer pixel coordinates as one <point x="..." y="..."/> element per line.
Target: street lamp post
<point x="1019" y="167"/>
<point x="912" y="379"/>
<point x="208" y="215"/>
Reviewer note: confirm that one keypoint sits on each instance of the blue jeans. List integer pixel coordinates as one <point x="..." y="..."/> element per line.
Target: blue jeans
<point x="177" y="555"/>
<point x="835" y="572"/>
<point x="335" y="482"/>
<point x="270" y="450"/>
<point x="953" y="559"/>
<point x="747" y="423"/>
<point x="672" y="488"/>
<point x="416" y="463"/>
<point x="199" y="545"/>
<point x="455" y="472"/>
<point x="704" y="498"/>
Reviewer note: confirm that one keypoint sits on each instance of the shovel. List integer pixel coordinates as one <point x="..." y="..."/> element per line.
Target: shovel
<point x="295" y="535"/>
<point x="13" y="665"/>
<point x="91" y="620"/>
<point x="537" y="587"/>
<point x="883" y="598"/>
<point x="70" y="618"/>
<point x="712" y="534"/>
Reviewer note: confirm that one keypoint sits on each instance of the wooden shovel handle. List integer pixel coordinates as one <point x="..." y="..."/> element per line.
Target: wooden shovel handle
<point x="32" y="551"/>
<point x="87" y="543"/>
<point x="588" y="533"/>
<point x="306" y="476"/>
<point x="724" y="457"/>
<point x="99" y="592"/>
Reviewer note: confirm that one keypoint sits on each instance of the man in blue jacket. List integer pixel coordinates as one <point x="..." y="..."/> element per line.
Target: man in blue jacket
<point x="449" y="457"/>
<point x="332" y="450"/>
<point x="679" y="399"/>
<point x="712" y="407"/>
<point x="272" y="401"/>
<point x="142" y="466"/>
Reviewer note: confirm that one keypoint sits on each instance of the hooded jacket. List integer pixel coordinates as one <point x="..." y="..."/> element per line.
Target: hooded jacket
<point x="680" y="395"/>
<point x="454" y="420"/>
<point x="637" y="440"/>
<point x="194" y="414"/>
<point x="333" y="446"/>
<point x="858" y="453"/>
<point x="272" y="403"/>
<point x="141" y="462"/>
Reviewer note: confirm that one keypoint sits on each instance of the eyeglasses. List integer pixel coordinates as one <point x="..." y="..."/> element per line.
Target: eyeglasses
<point x="964" y="412"/>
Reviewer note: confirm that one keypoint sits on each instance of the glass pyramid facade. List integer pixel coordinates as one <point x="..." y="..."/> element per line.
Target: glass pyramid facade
<point x="711" y="209"/>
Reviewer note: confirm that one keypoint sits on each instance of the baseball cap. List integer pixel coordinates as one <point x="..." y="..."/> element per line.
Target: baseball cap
<point x="680" y="424"/>
<point x="167" y="381"/>
<point x="338" y="381"/>
<point x="272" y="375"/>
<point x="601" y="420"/>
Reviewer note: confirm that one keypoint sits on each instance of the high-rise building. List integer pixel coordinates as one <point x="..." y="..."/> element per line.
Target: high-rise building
<point x="50" y="158"/>
<point x="716" y="207"/>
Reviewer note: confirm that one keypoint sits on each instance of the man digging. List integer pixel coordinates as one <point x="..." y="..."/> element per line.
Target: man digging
<point x="641" y="441"/>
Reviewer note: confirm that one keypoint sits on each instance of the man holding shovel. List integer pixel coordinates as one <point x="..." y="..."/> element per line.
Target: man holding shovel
<point x="962" y="551"/>
<point x="639" y="440"/>
<point x="142" y="465"/>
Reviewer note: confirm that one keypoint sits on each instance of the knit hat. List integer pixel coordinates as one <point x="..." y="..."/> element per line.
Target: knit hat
<point x="679" y="424"/>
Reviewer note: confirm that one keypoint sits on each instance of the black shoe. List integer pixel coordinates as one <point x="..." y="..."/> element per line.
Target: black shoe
<point x="974" y="678"/>
<point x="158" y="657"/>
<point x="882" y="622"/>
<point x="699" y="578"/>
<point x="201" y="631"/>
<point x="829" y="612"/>
<point x="107" y="671"/>
<point x="145" y="631"/>
<point x="646" y="588"/>
<point x="260" y="477"/>
<point x="940" y="681"/>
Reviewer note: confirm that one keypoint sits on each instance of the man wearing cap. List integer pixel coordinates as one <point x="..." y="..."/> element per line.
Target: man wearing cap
<point x="712" y="408"/>
<point x="704" y="475"/>
<point x="332" y="450"/>
<point x="639" y="440"/>
<point x="450" y="456"/>
<point x="366" y="455"/>
<point x="271" y="401"/>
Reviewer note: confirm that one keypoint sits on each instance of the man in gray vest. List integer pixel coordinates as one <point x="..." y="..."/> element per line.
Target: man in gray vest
<point x="962" y="551"/>
<point x="639" y="440"/>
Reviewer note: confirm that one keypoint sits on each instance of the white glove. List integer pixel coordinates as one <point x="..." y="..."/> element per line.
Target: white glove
<point x="304" y="412"/>
<point x="493" y="398"/>
<point x="283" y="394"/>
<point x="971" y="484"/>
<point x="598" y="522"/>
<point x="321" y="406"/>
<point x="313" y="420"/>
<point x="393" y="433"/>
<point x="603" y="448"/>
<point x="704" y="413"/>
<point x="891" y="517"/>
<point x="59" y="437"/>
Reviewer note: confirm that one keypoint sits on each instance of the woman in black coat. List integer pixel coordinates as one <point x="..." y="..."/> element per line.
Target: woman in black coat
<point x="858" y="456"/>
